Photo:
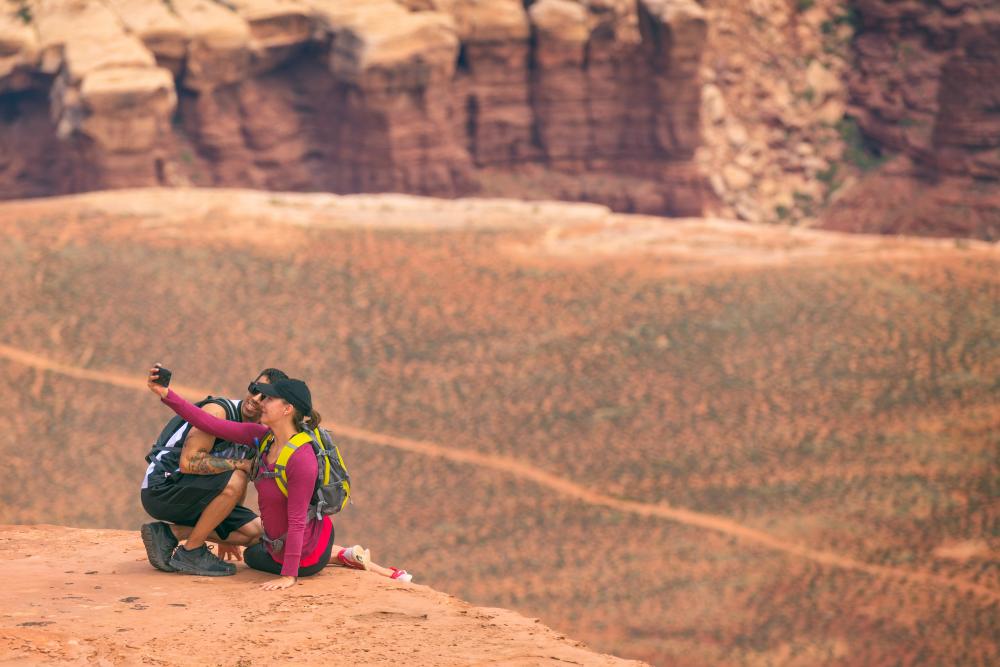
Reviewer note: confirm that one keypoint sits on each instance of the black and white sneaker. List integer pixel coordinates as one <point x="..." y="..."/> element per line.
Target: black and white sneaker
<point x="160" y="543"/>
<point x="201" y="562"/>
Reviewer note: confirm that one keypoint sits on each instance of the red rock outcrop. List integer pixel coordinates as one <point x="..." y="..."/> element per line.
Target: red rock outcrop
<point x="108" y="108"/>
<point x="89" y="597"/>
<point x="925" y="88"/>
<point x="357" y="95"/>
<point x="615" y="90"/>
<point x="596" y="100"/>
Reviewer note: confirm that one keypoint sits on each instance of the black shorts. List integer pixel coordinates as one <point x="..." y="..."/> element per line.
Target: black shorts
<point x="185" y="497"/>
<point x="258" y="558"/>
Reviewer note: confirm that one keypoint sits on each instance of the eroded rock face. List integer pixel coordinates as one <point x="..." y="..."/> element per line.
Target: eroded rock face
<point x="926" y="88"/>
<point x="597" y="100"/>
<point x="18" y="52"/>
<point x="430" y="97"/>
<point x="926" y="82"/>
<point x="109" y="105"/>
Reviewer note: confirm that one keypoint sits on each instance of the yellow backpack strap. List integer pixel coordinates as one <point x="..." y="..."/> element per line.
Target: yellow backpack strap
<point x="265" y="443"/>
<point x="324" y="474"/>
<point x="347" y="483"/>
<point x="286" y="452"/>
<point x="328" y="466"/>
<point x="343" y="466"/>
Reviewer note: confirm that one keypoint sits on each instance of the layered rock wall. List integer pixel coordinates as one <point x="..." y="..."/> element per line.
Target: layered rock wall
<point x="431" y="97"/>
<point x="927" y="82"/>
<point x="109" y="104"/>
<point x="925" y="90"/>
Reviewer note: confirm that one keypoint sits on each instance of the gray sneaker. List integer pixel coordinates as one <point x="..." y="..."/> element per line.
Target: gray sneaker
<point x="200" y="561"/>
<point x="160" y="544"/>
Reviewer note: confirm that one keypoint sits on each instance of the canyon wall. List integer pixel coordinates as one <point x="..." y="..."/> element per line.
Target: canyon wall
<point x="869" y="115"/>
<point x="596" y="101"/>
<point x="925" y="91"/>
<point x="927" y="82"/>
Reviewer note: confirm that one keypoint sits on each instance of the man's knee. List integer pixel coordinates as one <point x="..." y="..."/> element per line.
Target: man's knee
<point x="253" y="530"/>
<point x="236" y="486"/>
<point x="246" y="535"/>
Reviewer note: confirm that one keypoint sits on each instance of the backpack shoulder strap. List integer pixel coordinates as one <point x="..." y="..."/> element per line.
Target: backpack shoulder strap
<point x="265" y="444"/>
<point x="231" y="407"/>
<point x="284" y="455"/>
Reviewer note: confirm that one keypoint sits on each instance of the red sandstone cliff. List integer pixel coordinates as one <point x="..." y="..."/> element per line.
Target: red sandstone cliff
<point x="928" y="82"/>
<point x="926" y="92"/>
<point x="352" y="96"/>
<point x="873" y="115"/>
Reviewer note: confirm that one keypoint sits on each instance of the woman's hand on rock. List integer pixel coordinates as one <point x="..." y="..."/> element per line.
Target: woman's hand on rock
<point x="278" y="584"/>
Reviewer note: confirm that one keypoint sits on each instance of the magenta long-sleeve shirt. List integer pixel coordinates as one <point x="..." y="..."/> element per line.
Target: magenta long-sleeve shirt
<point x="305" y="540"/>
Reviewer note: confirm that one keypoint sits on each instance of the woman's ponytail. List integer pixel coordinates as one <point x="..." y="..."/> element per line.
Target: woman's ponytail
<point x="307" y="422"/>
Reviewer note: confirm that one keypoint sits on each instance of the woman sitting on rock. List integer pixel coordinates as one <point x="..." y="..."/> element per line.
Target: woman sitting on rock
<point x="295" y="544"/>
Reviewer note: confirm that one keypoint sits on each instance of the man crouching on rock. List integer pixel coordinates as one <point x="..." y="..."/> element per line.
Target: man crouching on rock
<point x="197" y="483"/>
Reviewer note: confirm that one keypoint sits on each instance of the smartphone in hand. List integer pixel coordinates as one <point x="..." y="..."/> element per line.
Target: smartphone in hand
<point x="163" y="377"/>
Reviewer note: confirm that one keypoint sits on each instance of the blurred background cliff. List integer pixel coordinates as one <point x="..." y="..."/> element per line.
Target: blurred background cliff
<point x="862" y="115"/>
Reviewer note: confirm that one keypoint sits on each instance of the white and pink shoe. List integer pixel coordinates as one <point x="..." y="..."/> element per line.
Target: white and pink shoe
<point x="401" y="575"/>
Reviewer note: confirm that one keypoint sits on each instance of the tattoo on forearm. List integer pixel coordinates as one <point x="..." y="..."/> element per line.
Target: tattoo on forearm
<point x="201" y="463"/>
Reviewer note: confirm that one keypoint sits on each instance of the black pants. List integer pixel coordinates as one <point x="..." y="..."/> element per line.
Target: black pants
<point x="258" y="558"/>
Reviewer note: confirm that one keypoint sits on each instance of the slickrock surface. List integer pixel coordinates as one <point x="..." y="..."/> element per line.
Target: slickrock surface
<point x="74" y="596"/>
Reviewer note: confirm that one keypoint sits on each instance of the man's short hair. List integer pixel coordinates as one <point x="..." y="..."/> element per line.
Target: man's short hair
<point x="273" y="374"/>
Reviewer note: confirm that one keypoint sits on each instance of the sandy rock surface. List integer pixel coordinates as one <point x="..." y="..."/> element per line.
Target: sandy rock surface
<point x="87" y="596"/>
<point x="578" y="232"/>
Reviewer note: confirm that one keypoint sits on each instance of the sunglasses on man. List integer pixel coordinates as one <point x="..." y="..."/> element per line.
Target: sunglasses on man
<point x="254" y="389"/>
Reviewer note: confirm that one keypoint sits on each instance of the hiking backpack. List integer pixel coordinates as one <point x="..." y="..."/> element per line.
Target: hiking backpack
<point x="333" y="485"/>
<point x="220" y="447"/>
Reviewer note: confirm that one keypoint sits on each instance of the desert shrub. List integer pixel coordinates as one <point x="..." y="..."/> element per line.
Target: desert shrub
<point x="859" y="150"/>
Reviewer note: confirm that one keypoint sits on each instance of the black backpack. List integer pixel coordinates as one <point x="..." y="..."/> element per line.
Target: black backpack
<point x="220" y="447"/>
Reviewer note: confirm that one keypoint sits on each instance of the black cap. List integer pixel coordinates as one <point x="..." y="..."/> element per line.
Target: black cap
<point x="294" y="391"/>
